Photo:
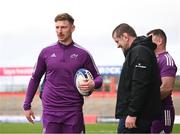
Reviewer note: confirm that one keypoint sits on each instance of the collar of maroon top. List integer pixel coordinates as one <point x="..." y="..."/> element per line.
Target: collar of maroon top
<point x="65" y="46"/>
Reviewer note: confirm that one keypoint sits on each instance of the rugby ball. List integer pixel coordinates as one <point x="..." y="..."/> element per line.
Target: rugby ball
<point x="80" y="76"/>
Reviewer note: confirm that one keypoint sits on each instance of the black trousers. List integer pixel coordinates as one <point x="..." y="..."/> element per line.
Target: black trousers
<point x="143" y="126"/>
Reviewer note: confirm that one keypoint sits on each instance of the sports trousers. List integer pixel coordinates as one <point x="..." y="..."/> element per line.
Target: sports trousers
<point x="165" y="123"/>
<point x="63" y="122"/>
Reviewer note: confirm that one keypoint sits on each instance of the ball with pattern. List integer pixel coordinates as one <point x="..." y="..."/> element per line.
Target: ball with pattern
<point x="81" y="75"/>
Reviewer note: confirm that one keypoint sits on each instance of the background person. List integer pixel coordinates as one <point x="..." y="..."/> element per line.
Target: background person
<point x="138" y="95"/>
<point x="168" y="71"/>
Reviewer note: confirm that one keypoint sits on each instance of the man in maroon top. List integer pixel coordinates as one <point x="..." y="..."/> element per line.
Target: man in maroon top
<point x="168" y="70"/>
<point x="61" y="101"/>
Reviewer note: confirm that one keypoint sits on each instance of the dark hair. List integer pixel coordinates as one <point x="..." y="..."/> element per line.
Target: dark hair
<point x="64" y="16"/>
<point x="124" y="28"/>
<point x="160" y="33"/>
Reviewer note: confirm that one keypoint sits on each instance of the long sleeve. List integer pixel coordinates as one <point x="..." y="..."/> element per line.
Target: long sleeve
<point x="90" y="65"/>
<point x="34" y="81"/>
<point x="141" y="80"/>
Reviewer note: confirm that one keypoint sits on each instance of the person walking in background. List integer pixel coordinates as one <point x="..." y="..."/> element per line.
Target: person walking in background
<point x="61" y="101"/>
<point x="168" y="71"/>
<point x="138" y="95"/>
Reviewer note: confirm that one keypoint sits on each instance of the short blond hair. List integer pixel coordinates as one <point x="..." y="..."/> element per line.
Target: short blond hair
<point x="64" y="16"/>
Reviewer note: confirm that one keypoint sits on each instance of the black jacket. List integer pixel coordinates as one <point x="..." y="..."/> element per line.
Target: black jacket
<point x="139" y="85"/>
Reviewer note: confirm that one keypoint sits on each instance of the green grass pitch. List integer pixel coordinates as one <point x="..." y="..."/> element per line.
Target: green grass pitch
<point x="104" y="128"/>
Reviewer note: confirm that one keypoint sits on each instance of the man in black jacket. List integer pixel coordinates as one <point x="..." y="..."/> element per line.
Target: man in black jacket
<point x="138" y="96"/>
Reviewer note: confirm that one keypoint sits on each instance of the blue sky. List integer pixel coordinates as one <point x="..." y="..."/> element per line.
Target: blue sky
<point x="27" y="26"/>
